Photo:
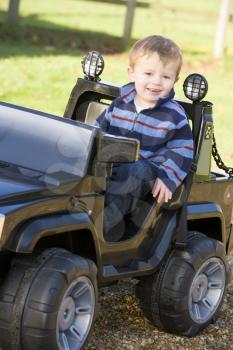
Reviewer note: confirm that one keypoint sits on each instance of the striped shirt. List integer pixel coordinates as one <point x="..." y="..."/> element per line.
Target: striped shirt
<point x="163" y="131"/>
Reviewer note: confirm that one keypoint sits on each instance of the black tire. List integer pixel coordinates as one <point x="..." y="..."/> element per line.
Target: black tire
<point x="177" y="297"/>
<point x="38" y="307"/>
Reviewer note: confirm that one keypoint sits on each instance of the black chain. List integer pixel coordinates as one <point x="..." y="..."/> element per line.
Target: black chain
<point x="219" y="161"/>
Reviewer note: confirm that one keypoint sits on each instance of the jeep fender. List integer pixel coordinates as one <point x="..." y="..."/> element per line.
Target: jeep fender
<point x="29" y="234"/>
<point x="207" y="210"/>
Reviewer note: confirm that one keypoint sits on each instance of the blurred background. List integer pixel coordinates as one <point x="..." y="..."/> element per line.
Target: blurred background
<point x="42" y="44"/>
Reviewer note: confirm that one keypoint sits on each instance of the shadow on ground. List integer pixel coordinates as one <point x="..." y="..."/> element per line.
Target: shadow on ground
<point x="33" y="37"/>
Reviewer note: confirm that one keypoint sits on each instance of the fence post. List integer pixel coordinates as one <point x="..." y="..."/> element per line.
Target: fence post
<point x="222" y="23"/>
<point x="131" y="5"/>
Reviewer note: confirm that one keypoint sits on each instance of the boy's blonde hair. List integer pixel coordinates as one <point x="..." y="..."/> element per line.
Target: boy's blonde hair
<point x="165" y="48"/>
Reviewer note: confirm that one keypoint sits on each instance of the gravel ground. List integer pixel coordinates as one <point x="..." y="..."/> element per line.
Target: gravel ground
<point x="122" y="326"/>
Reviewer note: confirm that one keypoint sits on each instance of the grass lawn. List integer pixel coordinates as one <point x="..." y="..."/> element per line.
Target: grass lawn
<point x="40" y="59"/>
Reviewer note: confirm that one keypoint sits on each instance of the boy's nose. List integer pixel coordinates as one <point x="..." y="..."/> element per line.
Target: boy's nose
<point x="157" y="79"/>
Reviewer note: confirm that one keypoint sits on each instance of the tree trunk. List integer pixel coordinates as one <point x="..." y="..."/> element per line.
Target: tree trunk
<point x="13" y="11"/>
<point x="222" y="23"/>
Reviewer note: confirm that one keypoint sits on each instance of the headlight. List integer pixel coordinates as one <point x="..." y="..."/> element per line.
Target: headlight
<point x="195" y="87"/>
<point x="93" y="65"/>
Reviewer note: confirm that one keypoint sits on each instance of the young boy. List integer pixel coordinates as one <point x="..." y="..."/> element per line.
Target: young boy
<point x="146" y="111"/>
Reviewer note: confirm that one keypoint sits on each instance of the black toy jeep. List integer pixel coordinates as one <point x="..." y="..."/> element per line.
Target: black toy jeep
<point x="53" y="253"/>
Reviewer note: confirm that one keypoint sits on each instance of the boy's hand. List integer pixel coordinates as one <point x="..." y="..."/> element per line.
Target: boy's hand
<point x="161" y="191"/>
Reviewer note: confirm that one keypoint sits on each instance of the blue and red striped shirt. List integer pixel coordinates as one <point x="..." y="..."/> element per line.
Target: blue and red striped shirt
<point x="163" y="131"/>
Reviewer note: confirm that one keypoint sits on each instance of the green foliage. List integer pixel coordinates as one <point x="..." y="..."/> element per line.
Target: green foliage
<point x="40" y="58"/>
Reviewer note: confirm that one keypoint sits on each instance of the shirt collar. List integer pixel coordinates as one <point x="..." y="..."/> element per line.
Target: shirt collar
<point x="128" y="92"/>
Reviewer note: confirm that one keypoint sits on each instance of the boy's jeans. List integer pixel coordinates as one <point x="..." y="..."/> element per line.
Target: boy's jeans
<point x="128" y="185"/>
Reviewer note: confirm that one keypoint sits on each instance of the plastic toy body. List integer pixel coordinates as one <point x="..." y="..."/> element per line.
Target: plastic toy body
<point x="52" y="250"/>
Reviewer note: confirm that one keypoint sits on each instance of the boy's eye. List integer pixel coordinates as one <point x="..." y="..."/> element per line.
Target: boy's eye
<point x="166" y="77"/>
<point x="148" y="73"/>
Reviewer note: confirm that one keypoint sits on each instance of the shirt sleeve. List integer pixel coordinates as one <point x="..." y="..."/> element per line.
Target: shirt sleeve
<point x="178" y="156"/>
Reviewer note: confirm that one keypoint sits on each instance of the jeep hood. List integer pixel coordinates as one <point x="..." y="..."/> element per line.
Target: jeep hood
<point x="11" y="186"/>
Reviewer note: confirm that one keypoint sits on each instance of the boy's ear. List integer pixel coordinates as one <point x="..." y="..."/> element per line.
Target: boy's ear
<point x="177" y="78"/>
<point x="131" y="74"/>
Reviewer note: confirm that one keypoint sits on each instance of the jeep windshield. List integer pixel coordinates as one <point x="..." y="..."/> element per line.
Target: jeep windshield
<point x="39" y="144"/>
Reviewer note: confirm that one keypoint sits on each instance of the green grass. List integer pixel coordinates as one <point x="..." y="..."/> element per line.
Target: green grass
<point x="40" y="59"/>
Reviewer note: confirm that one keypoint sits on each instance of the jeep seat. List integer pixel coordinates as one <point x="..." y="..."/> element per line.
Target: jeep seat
<point x="94" y="109"/>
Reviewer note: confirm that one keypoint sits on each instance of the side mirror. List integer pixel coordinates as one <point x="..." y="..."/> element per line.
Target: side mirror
<point x="114" y="149"/>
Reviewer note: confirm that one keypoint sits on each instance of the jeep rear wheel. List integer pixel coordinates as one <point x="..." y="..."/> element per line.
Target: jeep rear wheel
<point x="50" y="302"/>
<point x="187" y="293"/>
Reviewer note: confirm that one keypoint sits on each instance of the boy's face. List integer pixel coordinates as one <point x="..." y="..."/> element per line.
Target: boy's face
<point x="153" y="78"/>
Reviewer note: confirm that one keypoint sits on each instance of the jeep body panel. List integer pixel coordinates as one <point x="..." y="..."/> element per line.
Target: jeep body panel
<point x="86" y="91"/>
<point x="140" y="255"/>
<point x="13" y="184"/>
<point x="32" y="231"/>
<point x="216" y="198"/>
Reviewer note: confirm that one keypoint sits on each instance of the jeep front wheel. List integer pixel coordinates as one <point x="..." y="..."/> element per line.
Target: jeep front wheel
<point x="75" y="314"/>
<point x="186" y="294"/>
<point x="50" y="300"/>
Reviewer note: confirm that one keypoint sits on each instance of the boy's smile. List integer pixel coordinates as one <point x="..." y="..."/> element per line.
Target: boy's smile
<point x="153" y="79"/>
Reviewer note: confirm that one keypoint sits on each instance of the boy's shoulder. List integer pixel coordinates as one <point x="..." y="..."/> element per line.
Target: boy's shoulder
<point x="175" y="108"/>
<point x="118" y="102"/>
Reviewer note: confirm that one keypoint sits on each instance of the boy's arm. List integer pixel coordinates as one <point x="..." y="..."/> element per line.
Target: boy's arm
<point x="178" y="156"/>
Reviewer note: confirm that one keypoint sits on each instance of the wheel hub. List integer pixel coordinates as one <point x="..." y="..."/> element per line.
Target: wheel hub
<point x="207" y="290"/>
<point x="199" y="288"/>
<point x="67" y="314"/>
<point x="75" y="314"/>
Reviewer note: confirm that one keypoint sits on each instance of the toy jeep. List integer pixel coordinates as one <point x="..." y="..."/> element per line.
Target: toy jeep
<point x="53" y="253"/>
